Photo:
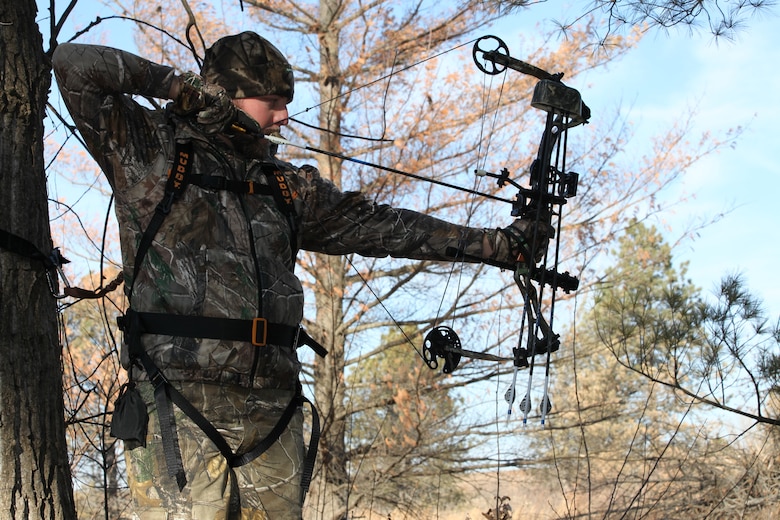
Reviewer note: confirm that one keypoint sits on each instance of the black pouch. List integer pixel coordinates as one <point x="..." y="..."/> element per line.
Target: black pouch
<point x="130" y="417"/>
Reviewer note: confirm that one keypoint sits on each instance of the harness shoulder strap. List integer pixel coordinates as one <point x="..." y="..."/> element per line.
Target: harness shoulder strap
<point x="284" y="195"/>
<point x="178" y="179"/>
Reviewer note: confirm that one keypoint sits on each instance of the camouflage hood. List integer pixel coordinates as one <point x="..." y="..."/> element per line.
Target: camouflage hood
<point x="248" y="65"/>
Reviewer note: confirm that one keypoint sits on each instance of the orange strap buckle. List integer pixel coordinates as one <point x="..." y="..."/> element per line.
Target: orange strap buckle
<point x="259" y="332"/>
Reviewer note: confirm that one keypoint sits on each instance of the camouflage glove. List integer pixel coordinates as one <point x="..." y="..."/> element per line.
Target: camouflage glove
<point x="515" y="242"/>
<point x="213" y="109"/>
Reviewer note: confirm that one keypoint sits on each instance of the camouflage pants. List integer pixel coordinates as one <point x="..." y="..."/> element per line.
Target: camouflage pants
<point x="268" y="488"/>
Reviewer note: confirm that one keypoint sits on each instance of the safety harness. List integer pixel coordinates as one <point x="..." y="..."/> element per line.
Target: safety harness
<point x="258" y="331"/>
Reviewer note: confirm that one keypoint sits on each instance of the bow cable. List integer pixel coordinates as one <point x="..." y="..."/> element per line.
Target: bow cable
<point x="482" y="156"/>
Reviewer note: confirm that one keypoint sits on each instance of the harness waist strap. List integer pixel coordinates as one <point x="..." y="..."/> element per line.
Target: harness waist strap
<point x="257" y="331"/>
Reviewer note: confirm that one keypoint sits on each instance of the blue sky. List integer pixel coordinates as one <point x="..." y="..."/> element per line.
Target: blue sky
<point x="729" y="83"/>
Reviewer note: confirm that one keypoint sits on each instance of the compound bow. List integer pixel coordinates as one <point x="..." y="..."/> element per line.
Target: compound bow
<point x="549" y="188"/>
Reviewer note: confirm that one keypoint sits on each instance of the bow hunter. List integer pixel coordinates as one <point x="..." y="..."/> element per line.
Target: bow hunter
<point x="210" y="223"/>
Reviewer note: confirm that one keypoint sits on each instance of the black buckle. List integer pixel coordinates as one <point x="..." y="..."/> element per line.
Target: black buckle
<point x="259" y="332"/>
<point x="157" y="379"/>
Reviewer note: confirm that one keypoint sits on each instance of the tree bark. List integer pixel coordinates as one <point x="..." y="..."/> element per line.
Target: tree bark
<point x="332" y="488"/>
<point x="34" y="470"/>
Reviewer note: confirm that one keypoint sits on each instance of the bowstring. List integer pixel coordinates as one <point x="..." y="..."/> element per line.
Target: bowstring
<point x="393" y="72"/>
<point x="480" y="162"/>
<point x="487" y="88"/>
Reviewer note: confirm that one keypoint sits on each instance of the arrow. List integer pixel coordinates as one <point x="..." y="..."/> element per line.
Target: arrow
<point x="282" y="141"/>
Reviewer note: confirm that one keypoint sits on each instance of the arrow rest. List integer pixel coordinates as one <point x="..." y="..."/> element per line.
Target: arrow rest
<point x="442" y="342"/>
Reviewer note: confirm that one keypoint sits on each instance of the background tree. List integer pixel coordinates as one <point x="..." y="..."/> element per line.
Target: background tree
<point x="709" y="352"/>
<point x="406" y="431"/>
<point x="723" y="18"/>
<point x="34" y="475"/>
<point x="624" y="441"/>
<point x="92" y="380"/>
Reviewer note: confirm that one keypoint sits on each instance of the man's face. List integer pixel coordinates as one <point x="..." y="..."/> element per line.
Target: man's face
<point x="269" y="111"/>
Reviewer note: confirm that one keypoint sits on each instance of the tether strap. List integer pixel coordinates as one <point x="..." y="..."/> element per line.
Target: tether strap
<point x="23" y="247"/>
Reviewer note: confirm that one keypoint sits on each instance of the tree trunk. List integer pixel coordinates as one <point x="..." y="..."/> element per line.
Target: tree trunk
<point x="34" y="470"/>
<point x="332" y="488"/>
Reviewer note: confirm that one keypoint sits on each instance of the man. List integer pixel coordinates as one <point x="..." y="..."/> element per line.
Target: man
<point x="209" y="253"/>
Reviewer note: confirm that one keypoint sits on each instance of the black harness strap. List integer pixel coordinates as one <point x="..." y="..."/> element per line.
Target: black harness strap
<point x="212" y="182"/>
<point x="258" y="331"/>
<point x="174" y="187"/>
<point x="282" y="191"/>
<point x="311" y="453"/>
<point x="165" y="393"/>
<point x="52" y="263"/>
<point x="162" y="397"/>
<point x="177" y="183"/>
<point x="284" y="195"/>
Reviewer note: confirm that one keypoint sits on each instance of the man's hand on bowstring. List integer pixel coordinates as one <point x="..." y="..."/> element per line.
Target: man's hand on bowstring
<point x="520" y="240"/>
<point x="213" y="109"/>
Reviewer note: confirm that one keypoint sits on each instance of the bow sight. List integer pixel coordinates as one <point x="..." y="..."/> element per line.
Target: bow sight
<point x="550" y="185"/>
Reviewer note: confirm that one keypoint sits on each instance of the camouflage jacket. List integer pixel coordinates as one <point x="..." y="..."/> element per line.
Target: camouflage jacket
<point x="210" y="250"/>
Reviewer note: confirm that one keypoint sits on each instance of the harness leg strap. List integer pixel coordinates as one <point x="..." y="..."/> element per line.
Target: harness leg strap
<point x="167" y="420"/>
<point x="311" y="452"/>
